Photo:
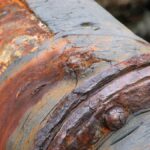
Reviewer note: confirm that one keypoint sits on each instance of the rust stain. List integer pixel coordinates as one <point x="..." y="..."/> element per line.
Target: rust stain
<point x="34" y="78"/>
<point x="83" y="119"/>
<point x="20" y="3"/>
<point x="77" y="60"/>
<point x="7" y="2"/>
<point x="105" y="131"/>
<point x="22" y="95"/>
<point x="20" y="33"/>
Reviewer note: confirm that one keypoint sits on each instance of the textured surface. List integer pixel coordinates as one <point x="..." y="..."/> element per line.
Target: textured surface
<point x="80" y="115"/>
<point x="21" y="32"/>
<point x="134" y="136"/>
<point x="60" y="47"/>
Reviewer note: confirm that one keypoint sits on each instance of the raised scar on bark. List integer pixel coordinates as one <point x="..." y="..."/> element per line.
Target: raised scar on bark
<point x="98" y="107"/>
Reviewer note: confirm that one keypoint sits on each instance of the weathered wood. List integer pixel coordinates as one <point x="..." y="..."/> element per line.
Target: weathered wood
<point x="64" y="65"/>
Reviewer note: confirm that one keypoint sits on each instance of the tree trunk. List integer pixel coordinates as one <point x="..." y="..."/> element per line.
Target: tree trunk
<point x="71" y="75"/>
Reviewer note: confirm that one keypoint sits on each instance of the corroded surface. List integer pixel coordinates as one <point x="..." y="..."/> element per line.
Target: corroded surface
<point x="20" y="32"/>
<point x="134" y="135"/>
<point x="58" y="79"/>
<point x="82" y="112"/>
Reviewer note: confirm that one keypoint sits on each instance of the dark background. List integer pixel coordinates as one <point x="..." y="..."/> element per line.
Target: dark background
<point x="135" y="14"/>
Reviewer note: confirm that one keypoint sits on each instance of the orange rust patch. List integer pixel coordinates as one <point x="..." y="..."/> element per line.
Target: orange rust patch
<point x="34" y="80"/>
<point x="4" y="3"/>
<point x="7" y="2"/>
<point x="105" y="131"/>
<point x="20" y="33"/>
<point x="78" y="61"/>
<point x="29" y="84"/>
<point x="20" y="3"/>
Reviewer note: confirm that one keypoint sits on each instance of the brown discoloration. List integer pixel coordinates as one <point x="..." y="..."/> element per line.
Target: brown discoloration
<point x="20" y="33"/>
<point x="7" y="2"/>
<point x="37" y="75"/>
<point x="76" y="53"/>
<point x="33" y="79"/>
<point x="115" y="118"/>
<point x="77" y="60"/>
<point x="86" y="117"/>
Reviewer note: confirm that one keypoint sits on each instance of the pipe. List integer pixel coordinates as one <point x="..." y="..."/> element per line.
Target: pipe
<point x="70" y="68"/>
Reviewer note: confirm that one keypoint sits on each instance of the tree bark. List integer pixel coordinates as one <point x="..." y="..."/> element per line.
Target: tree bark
<point x="65" y="65"/>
